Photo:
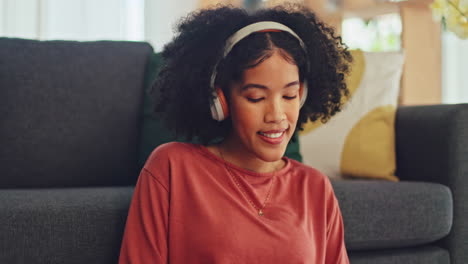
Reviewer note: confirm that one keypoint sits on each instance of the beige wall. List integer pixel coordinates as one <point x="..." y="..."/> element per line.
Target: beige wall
<point x="421" y="41"/>
<point x="331" y="18"/>
<point x="211" y="3"/>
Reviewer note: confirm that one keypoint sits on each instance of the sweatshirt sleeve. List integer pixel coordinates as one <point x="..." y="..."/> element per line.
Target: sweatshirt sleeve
<point x="146" y="229"/>
<point x="335" y="249"/>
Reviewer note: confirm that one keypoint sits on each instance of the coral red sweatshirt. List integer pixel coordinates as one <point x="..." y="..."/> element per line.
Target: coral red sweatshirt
<point x="186" y="208"/>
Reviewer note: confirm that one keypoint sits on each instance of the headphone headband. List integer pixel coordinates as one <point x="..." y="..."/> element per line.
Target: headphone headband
<point x="256" y="27"/>
<point x="246" y="31"/>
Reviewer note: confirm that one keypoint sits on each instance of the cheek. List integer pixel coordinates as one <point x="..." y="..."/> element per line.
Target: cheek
<point x="244" y="117"/>
<point x="293" y="114"/>
<point x="295" y="111"/>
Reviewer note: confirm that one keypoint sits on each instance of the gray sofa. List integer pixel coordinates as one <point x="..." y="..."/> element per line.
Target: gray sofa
<point x="71" y="117"/>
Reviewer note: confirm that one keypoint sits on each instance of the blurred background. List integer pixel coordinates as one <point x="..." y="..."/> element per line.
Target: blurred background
<point x="435" y="57"/>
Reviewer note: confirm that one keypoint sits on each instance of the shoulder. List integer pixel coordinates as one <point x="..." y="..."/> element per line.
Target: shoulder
<point x="170" y="148"/>
<point x="309" y="171"/>
<point x="168" y="153"/>
<point x="320" y="188"/>
<point x="313" y="176"/>
<point x="165" y="158"/>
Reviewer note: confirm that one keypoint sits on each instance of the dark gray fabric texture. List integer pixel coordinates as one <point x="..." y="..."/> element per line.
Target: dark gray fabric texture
<point x="73" y="226"/>
<point x="412" y="255"/>
<point x="71" y="112"/>
<point x="381" y="214"/>
<point x="432" y="145"/>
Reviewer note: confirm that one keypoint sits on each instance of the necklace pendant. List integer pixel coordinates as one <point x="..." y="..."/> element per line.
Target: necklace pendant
<point x="260" y="212"/>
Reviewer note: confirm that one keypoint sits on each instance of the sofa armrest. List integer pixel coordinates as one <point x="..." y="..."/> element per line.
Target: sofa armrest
<point x="432" y="146"/>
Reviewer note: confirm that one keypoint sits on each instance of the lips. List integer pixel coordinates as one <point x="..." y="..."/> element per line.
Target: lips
<point x="273" y="141"/>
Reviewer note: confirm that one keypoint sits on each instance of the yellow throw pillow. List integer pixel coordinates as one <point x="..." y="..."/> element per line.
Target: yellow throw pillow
<point x="359" y="141"/>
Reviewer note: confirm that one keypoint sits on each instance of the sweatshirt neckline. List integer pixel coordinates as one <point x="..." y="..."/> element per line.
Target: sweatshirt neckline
<point x="208" y="153"/>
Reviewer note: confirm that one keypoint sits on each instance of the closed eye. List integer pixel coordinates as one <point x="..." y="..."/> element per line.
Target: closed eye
<point x="256" y="100"/>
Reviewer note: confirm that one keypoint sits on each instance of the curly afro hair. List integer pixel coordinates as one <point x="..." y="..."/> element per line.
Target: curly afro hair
<point x="182" y="95"/>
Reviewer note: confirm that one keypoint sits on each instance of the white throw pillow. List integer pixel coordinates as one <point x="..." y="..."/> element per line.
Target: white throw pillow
<point x="359" y="141"/>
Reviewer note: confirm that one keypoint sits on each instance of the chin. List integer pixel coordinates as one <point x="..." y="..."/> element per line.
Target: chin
<point x="272" y="155"/>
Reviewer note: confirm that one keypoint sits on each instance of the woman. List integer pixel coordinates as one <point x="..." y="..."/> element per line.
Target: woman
<point x="241" y="84"/>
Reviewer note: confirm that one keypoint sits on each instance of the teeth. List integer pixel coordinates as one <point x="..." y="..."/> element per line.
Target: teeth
<point x="273" y="135"/>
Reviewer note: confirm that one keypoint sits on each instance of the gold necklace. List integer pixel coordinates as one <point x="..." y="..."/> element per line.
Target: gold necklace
<point x="244" y="193"/>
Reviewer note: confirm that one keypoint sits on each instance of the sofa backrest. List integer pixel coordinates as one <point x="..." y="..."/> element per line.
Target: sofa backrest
<point x="70" y="112"/>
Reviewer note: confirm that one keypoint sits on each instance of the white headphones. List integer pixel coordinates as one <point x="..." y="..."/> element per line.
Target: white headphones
<point x="219" y="107"/>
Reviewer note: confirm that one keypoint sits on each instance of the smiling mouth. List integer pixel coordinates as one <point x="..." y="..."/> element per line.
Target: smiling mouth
<point x="273" y="135"/>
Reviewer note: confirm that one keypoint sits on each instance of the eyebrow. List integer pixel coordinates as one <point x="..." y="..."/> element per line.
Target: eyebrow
<point x="254" y="85"/>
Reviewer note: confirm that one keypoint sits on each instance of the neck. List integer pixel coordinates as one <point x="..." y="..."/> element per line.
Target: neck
<point x="239" y="156"/>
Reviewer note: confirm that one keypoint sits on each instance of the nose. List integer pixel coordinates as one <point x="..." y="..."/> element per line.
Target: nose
<point x="275" y="111"/>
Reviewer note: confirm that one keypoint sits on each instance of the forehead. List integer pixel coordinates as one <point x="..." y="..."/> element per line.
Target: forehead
<point x="248" y="86"/>
<point x="273" y="69"/>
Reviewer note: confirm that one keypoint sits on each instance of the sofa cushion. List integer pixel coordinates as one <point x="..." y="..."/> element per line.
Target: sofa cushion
<point x="382" y="214"/>
<point x="412" y="255"/>
<point x="69" y="225"/>
<point x="73" y="112"/>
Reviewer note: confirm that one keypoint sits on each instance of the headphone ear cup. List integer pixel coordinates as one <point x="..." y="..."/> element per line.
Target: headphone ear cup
<point x="223" y="102"/>
<point x="303" y="93"/>
<point x="219" y="108"/>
